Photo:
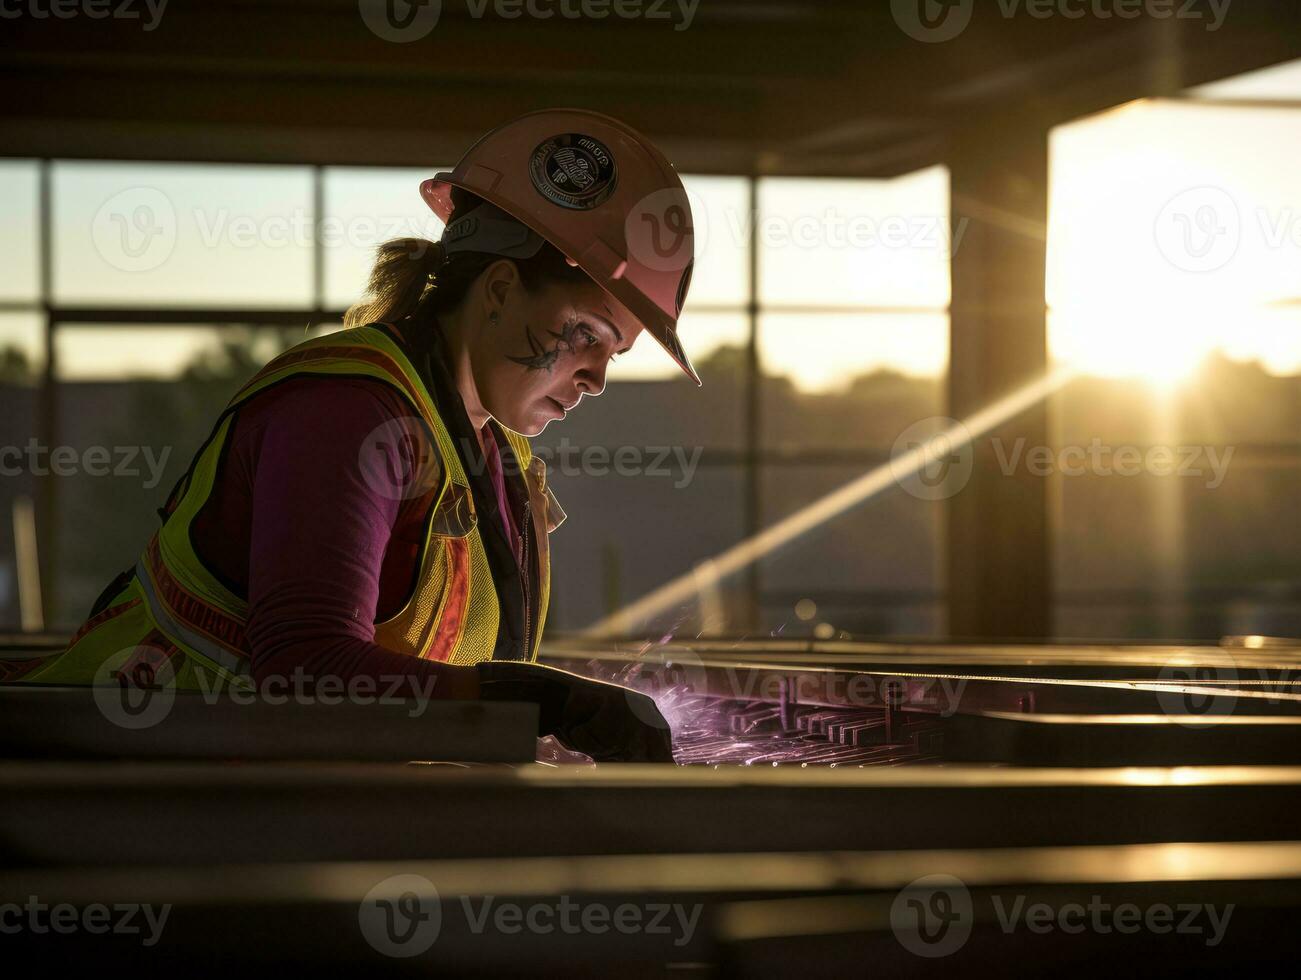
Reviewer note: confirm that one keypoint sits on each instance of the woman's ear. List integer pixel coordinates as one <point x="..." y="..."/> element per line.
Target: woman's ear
<point x="499" y="279"/>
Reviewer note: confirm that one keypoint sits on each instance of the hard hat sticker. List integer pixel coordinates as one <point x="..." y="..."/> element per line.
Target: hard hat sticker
<point x="573" y="171"/>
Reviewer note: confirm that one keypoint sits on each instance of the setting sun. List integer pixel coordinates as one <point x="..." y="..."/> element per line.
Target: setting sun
<point x="1165" y="247"/>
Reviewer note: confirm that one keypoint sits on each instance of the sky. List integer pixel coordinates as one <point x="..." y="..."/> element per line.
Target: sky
<point x="1174" y="230"/>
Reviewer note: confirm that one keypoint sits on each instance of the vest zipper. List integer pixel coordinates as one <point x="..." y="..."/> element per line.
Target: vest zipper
<point x="526" y="527"/>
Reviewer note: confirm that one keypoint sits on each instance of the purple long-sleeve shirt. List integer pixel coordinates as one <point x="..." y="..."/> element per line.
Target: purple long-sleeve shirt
<point x="321" y="551"/>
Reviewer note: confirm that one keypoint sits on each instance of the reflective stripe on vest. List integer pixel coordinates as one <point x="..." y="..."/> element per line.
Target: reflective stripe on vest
<point x="452" y="611"/>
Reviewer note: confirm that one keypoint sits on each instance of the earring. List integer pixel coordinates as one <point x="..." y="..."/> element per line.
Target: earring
<point x="492" y="318"/>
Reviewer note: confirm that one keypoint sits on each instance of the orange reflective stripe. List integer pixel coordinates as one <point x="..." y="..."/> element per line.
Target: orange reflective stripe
<point x="448" y="626"/>
<point x="112" y="612"/>
<point x="452" y="614"/>
<point x="365" y="354"/>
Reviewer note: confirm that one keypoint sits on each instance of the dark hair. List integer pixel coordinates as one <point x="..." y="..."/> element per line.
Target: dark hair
<point x="414" y="277"/>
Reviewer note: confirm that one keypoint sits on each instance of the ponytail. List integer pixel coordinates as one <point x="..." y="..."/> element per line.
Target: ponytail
<point x="414" y="277"/>
<point x="404" y="267"/>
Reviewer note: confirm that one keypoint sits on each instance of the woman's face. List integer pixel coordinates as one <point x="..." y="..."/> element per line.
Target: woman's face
<point x="549" y="348"/>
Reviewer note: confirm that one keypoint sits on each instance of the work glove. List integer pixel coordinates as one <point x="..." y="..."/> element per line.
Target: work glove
<point x="605" y="721"/>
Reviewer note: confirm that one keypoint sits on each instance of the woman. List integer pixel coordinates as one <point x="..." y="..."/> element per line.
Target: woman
<point x="367" y="506"/>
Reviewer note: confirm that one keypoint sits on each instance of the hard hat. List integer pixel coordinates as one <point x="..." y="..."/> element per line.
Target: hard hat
<point x="600" y="193"/>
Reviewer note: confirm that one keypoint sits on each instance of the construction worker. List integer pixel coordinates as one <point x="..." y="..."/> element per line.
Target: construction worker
<point x="367" y="505"/>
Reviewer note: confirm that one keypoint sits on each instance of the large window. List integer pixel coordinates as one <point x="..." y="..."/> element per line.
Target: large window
<point x="1175" y="242"/>
<point x="167" y="285"/>
<point x="837" y="290"/>
<point x="138" y="296"/>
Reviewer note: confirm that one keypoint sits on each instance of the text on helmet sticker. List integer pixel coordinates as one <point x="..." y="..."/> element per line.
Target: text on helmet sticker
<point x="573" y="170"/>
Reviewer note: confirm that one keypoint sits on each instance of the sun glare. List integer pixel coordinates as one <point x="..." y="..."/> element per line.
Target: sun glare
<point x="1160" y="346"/>
<point x="1165" y="246"/>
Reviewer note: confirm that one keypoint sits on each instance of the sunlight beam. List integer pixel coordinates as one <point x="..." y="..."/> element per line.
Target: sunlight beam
<point x="685" y="588"/>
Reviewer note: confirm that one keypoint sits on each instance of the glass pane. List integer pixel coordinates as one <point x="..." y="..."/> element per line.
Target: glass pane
<point x="626" y="535"/>
<point x="364" y="207"/>
<point x="183" y="234"/>
<point x="20" y="230"/>
<point x="825" y="242"/>
<point x="22" y="347"/>
<point x="154" y="396"/>
<point x="367" y="206"/>
<point x="22" y="359"/>
<point x="1226" y="403"/>
<point x="1172" y="281"/>
<point x="871" y="571"/>
<point x="849" y="382"/>
<point x="720" y="209"/>
<point x="115" y="353"/>
<point x="1169" y="504"/>
<point x="1276" y="82"/>
<point x="710" y="339"/>
<point x="1167" y="556"/>
<point x="1165" y="245"/>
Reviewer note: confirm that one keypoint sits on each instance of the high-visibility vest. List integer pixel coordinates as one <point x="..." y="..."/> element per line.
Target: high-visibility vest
<point x="173" y="613"/>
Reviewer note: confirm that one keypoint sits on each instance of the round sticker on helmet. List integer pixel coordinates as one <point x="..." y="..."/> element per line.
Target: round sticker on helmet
<point x="573" y="171"/>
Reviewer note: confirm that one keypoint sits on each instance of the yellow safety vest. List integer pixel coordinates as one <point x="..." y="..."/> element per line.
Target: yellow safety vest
<point x="174" y="612"/>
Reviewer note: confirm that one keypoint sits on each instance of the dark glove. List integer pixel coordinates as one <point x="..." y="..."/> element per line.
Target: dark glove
<point x="608" y="722"/>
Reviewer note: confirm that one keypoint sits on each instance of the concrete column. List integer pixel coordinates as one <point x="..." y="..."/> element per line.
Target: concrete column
<point x="997" y="536"/>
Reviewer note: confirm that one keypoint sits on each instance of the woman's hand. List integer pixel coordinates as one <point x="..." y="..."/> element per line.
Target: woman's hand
<point x="605" y="721"/>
